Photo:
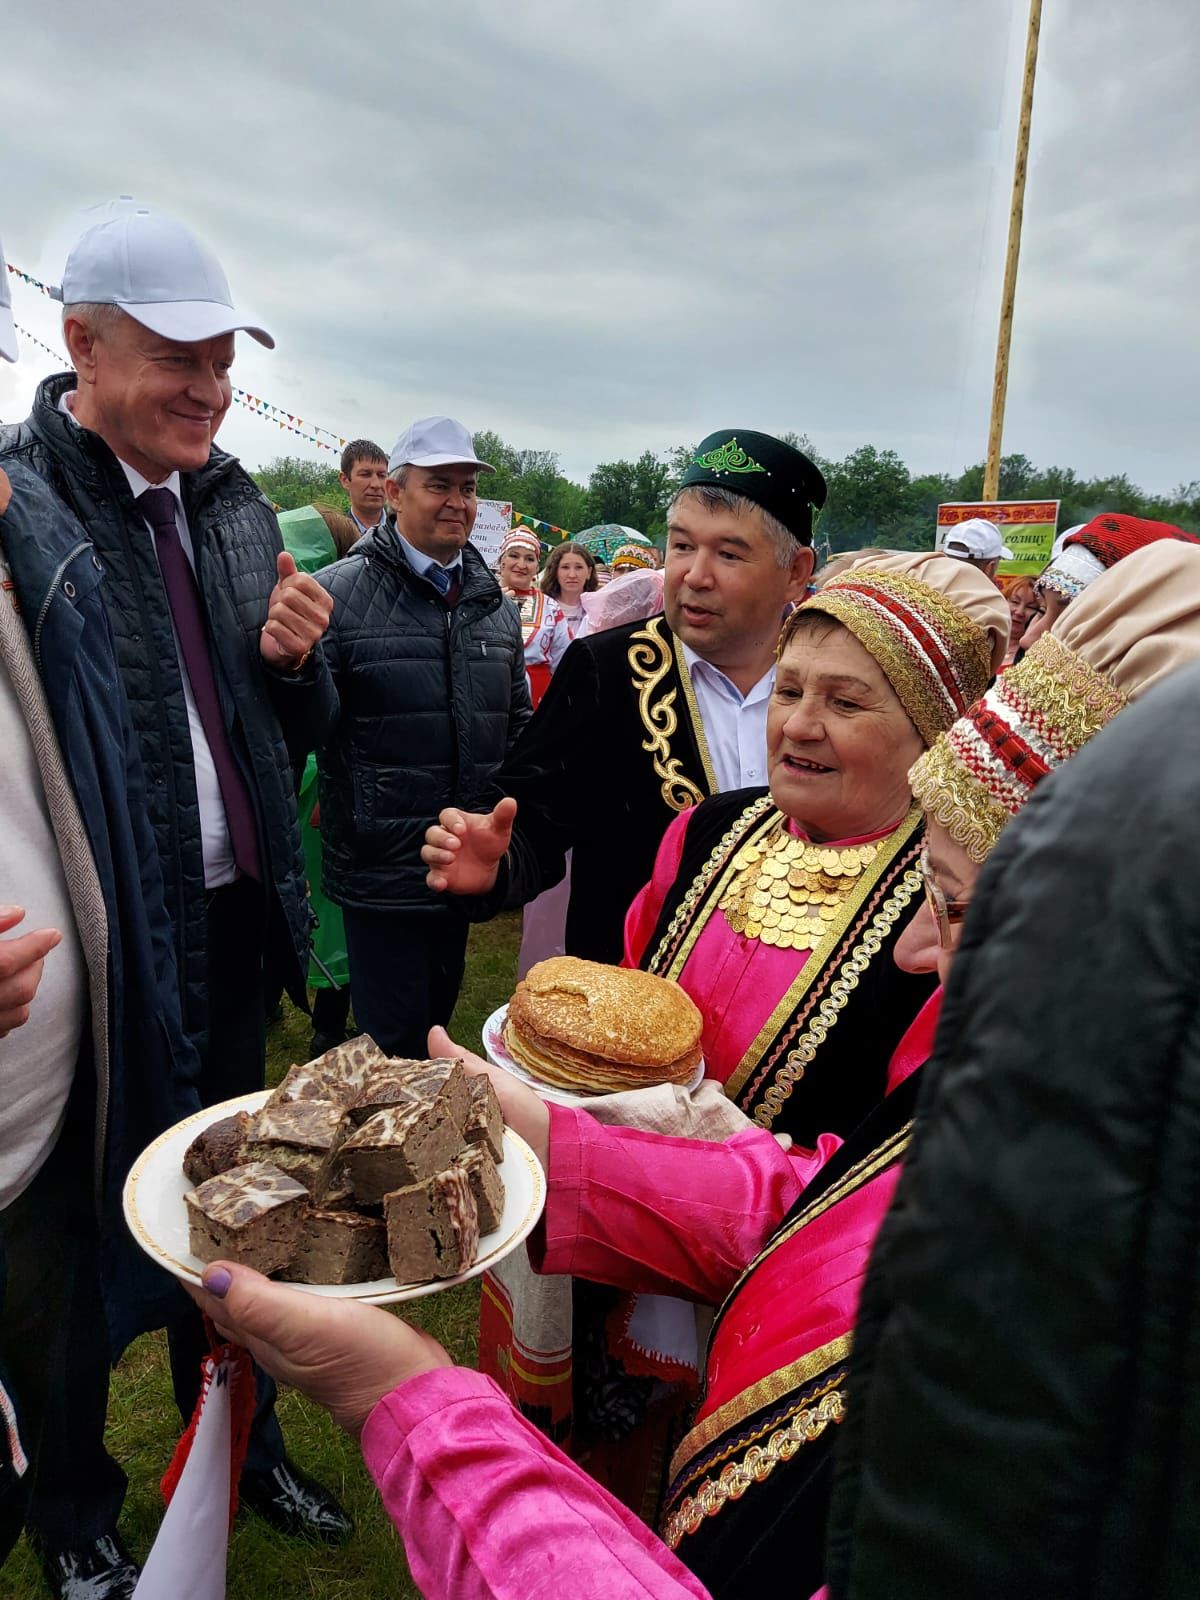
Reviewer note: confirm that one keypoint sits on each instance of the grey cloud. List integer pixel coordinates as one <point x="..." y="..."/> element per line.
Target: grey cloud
<point x="600" y="227"/>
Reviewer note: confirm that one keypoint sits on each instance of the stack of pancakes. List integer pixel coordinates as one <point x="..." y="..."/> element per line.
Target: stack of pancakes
<point x="592" y="1029"/>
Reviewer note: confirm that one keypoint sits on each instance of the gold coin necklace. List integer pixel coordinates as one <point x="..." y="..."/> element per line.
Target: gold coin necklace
<point x="787" y="892"/>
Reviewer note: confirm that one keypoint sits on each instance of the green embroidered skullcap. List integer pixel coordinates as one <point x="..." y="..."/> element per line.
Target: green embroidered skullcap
<point x="776" y="476"/>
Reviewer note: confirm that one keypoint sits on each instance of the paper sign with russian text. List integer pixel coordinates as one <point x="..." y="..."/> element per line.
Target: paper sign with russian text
<point x="491" y="524"/>
<point x="1027" y="527"/>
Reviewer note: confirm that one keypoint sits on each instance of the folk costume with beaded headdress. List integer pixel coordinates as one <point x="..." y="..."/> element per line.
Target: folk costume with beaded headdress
<point x="1090" y="551"/>
<point x="785" y="942"/>
<point x="753" y="1472"/>
<point x="1125" y="633"/>
<point x="544" y="630"/>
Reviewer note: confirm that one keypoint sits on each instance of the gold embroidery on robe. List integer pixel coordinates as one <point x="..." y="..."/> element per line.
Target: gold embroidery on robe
<point x="650" y="660"/>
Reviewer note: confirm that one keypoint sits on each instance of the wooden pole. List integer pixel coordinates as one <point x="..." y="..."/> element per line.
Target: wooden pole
<point x="991" y="471"/>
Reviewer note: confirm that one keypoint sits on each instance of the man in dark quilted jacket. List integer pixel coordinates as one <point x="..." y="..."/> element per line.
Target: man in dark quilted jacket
<point x="218" y="641"/>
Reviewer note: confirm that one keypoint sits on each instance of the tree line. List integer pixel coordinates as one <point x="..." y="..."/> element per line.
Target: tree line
<point x="873" y="497"/>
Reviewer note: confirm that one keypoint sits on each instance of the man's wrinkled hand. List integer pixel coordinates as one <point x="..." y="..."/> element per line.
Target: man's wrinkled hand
<point x="463" y="849"/>
<point x="5" y="491"/>
<point x="298" y="614"/>
<point x="21" y="963"/>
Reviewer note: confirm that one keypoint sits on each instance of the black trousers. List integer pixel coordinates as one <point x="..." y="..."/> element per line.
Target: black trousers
<point x="331" y="1011"/>
<point x="46" y="1235"/>
<point x="80" y="1489"/>
<point x="406" y="968"/>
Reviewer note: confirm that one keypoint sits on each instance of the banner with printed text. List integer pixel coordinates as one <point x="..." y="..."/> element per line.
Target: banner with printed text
<point x="1027" y="527"/>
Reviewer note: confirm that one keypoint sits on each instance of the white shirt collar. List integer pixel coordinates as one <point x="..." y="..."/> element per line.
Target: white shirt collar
<point x="421" y="563"/>
<point x="699" y="668"/>
<point x="137" y="483"/>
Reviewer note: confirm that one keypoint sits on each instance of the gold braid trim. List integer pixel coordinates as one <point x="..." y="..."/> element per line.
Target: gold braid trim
<point x="767" y="1391"/>
<point x="955" y="798"/>
<point x="743" y="1082"/>
<point x="650" y="659"/>
<point x="1074" y="699"/>
<point x="803" y="1052"/>
<point x="860" y="602"/>
<point x="1052" y="702"/>
<point x="693" y="705"/>
<point x="755" y="1467"/>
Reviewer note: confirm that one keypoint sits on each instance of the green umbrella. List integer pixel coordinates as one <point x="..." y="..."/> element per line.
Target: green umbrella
<point x="606" y="538"/>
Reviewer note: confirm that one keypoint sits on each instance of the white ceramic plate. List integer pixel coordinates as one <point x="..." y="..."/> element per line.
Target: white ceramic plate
<point x="157" y="1216"/>
<point x="498" y="1054"/>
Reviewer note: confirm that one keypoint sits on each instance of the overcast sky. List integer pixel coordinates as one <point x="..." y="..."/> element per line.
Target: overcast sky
<point x="603" y="227"/>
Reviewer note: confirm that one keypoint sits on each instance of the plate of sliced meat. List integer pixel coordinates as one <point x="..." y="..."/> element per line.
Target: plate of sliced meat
<point x="361" y="1176"/>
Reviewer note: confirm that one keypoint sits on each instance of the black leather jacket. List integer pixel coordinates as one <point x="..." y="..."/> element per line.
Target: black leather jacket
<point x="236" y="540"/>
<point x="432" y="698"/>
<point x="1024" y="1411"/>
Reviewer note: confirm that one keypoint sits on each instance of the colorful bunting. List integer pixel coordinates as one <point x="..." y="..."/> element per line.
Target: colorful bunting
<point x="285" y="419"/>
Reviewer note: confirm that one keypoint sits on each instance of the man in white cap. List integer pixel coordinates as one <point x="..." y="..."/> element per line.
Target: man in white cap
<point x="218" y="645"/>
<point x="93" y="1057"/>
<point x="978" y="541"/>
<point x="429" y="667"/>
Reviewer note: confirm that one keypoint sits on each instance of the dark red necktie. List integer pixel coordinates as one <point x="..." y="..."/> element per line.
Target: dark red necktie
<point x="183" y="597"/>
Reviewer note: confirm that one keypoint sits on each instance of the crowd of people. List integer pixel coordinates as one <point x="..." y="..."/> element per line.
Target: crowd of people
<point x="896" y="1301"/>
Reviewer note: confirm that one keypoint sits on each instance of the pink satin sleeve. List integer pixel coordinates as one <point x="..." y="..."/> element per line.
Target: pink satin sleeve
<point x="489" y="1509"/>
<point x="642" y="917"/>
<point x="653" y="1214"/>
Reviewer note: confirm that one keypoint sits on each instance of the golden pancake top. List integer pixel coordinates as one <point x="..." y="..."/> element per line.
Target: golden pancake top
<point x="615" y="1014"/>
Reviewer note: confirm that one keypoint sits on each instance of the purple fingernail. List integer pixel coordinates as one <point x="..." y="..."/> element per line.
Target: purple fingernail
<point x="217" y="1280"/>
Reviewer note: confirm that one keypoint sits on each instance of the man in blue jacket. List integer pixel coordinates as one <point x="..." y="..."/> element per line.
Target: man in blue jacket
<point x="217" y="646"/>
<point x="93" y="1058"/>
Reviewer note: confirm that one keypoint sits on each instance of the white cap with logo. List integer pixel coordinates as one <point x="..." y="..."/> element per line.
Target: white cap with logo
<point x="8" y="332"/>
<point x="156" y="270"/>
<point x="436" y="442"/>
<point x="977" y="539"/>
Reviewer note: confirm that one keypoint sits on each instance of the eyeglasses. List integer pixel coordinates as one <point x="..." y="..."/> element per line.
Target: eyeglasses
<point x="946" y="913"/>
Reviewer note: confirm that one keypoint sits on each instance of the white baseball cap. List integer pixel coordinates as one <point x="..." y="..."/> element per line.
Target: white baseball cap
<point x="436" y="442"/>
<point x="977" y="539"/>
<point x="8" y="332"/>
<point x="156" y="269"/>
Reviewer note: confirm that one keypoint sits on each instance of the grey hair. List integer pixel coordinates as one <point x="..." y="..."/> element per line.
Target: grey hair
<point x="713" y="498"/>
<point x="399" y="474"/>
<point x="98" y="315"/>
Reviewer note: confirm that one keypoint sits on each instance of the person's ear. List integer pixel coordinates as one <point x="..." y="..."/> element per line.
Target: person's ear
<point x="81" y="344"/>
<point x="801" y="573"/>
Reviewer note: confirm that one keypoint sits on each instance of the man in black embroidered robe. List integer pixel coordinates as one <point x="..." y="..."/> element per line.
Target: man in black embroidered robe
<point x="641" y="722"/>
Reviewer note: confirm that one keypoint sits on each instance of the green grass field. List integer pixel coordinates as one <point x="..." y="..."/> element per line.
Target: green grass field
<point x="143" y="1423"/>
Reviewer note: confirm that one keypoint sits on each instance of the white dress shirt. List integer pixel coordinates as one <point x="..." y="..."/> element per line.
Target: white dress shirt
<point x="368" y="527"/>
<point x="421" y="563"/>
<point x="219" y="865"/>
<point x="735" y="725"/>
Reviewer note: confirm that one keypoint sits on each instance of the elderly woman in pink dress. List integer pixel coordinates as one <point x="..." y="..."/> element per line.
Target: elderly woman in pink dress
<point x="489" y="1509"/>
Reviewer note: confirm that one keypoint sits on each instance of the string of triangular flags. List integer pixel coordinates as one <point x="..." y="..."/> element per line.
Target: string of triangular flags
<point x="520" y="520"/>
<point x="33" y="339"/>
<point x="269" y="412"/>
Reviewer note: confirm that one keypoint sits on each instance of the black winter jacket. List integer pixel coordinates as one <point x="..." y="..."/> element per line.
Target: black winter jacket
<point x="146" y="1080"/>
<point x="278" y="718"/>
<point x="1024" y="1411"/>
<point x="432" y="699"/>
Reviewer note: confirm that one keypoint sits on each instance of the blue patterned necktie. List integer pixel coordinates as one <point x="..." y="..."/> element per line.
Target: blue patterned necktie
<point x="439" y="578"/>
